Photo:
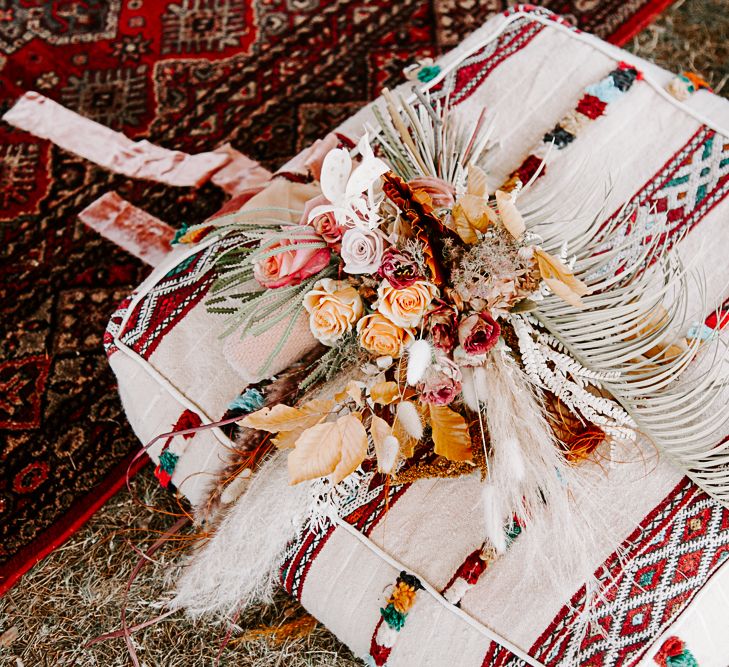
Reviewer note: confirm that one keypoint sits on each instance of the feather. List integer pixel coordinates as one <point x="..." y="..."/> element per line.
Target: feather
<point x="240" y="565"/>
<point x="407" y="415"/>
<point x="420" y="356"/>
<point x="493" y="517"/>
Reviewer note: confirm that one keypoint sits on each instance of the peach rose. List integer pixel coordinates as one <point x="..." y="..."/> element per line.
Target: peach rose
<point x="290" y="266"/>
<point x="333" y="306"/>
<point x="380" y="336"/>
<point x="405" y="307"/>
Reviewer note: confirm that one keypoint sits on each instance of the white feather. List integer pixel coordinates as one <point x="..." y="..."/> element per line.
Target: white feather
<point x="407" y="415"/>
<point x="388" y="454"/>
<point x="493" y="518"/>
<point x="468" y="388"/>
<point x="420" y="356"/>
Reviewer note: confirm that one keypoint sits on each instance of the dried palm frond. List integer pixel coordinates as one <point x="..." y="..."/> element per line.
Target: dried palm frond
<point x="628" y="340"/>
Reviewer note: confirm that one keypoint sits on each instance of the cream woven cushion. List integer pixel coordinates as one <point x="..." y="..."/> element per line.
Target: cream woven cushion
<point x="664" y="158"/>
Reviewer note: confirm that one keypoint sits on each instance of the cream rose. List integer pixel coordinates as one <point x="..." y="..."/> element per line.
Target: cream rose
<point x="380" y="336"/>
<point x="333" y="306"/>
<point x="362" y="250"/>
<point x="405" y="307"/>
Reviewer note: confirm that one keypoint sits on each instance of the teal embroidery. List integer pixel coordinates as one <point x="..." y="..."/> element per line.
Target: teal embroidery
<point x="168" y="461"/>
<point x="179" y="234"/>
<point x="393" y="618"/>
<point x="249" y="401"/>
<point x="428" y="73"/>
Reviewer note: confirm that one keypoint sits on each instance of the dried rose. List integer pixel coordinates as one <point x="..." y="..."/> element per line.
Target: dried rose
<point x="442" y="325"/>
<point x="333" y="306"/>
<point x="441" y="386"/>
<point x="399" y="268"/>
<point x="362" y="250"/>
<point x="290" y="266"/>
<point x="478" y="333"/>
<point x="405" y="307"/>
<point x="380" y="336"/>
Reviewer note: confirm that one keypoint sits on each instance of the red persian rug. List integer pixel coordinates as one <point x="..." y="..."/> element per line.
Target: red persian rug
<point x="269" y="76"/>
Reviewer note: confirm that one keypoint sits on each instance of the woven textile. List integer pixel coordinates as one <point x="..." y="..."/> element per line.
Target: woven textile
<point x="656" y="562"/>
<point x="269" y="77"/>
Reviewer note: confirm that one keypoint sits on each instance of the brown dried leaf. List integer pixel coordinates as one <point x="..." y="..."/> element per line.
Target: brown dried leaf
<point x="560" y="279"/>
<point x="318" y="452"/>
<point x="333" y="448"/>
<point x="450" y="433"/>
<point x="510" y="216"/>
<point x="289" y="422"/>
<point x="385" y="392"/>
<point x="471" y="213"/>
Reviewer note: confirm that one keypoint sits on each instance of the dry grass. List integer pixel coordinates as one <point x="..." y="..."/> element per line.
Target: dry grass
<point x="75" y="594"/>
<point x="692" y="35"/>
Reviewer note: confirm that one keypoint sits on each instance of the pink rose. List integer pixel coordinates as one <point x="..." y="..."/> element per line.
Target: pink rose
<point x="442" y="383"/>
<point x="326" y="226"/>
<point x="478" y="333"/>
<point x="362" y="250"/>
<point x="290" y="267"/>
<point x="441" y="193"/>
<point x="399" y="268"/>
<point x="442" y="326"/>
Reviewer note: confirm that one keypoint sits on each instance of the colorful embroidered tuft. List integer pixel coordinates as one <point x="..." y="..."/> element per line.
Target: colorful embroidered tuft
<point x="168" y="458"/>
<point x="675" y="653"/>
<point x="249" y="401"/>
<point x="392" y="618"/>
<point x="476" y="563"/>
<point x="591" y="106"/>
<point x="685" y="84"/>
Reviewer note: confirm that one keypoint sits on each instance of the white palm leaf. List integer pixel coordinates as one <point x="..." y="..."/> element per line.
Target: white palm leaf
<point x="677" y="401"/>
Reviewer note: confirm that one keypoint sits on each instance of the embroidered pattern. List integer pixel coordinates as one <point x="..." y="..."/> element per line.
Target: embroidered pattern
<point x="470" y="571"/>
<point x="461" y="82"/>
<point x="591" y="106"/>
<point x="392" y="617"/>
<point x="169" y="301"/>
<point x="670" y="557"/>
<point x="675" y="653"/>
<point x="173" y="449"/>
<point x="681" y="193"/>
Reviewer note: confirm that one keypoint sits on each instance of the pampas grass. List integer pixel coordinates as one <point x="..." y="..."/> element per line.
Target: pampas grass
<point x="239" y="566"/>
<point x="529" y="478"/>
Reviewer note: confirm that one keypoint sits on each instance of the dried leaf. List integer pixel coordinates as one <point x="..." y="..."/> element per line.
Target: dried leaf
<point x="353" y="390"/>
<point x="333" y="448"/>
<point x="287" y="421"/>
<point x="560" y="279"/>
<point x="353" y="448"/>
<point x="471" y="213"/>
<point x="317" y="453"/>
<point x="476" y="181"/>
<point x="385" y="392"/>
<point x="510" y="216"/>
<point x="450" y="433"/>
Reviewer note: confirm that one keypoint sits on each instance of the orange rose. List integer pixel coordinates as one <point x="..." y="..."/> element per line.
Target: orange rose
<point x="405" y="307"/>
<point x="380" y="336"/>
<point x="333" y="306"/>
